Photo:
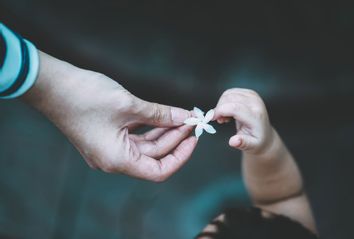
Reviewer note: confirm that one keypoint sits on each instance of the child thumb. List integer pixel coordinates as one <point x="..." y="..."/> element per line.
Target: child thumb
<point x="242" y="142"/>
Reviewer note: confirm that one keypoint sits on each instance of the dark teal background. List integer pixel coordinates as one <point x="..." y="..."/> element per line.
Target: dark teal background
<point x="298" y="55"/>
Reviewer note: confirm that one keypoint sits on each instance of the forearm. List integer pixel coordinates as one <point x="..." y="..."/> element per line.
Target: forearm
<point x="272" y="175"/>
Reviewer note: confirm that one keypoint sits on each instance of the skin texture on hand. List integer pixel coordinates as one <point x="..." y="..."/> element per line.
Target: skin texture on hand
<point x="98" y="115"/>
<point x="270" y="172"/>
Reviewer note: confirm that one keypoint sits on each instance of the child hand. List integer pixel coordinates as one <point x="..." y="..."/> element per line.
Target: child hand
<point x="254" y="133"/>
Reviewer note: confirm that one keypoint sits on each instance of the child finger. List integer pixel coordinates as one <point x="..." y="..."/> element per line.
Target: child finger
<point x="236" y="111"/>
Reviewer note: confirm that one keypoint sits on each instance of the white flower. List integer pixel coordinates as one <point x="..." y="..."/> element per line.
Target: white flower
<point x="201" y="122"/>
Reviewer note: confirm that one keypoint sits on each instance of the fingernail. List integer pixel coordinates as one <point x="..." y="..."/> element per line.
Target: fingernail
<point x="179" y="115"/>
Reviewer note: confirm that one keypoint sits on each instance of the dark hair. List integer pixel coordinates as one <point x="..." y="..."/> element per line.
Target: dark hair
<point x="250" y="224"/>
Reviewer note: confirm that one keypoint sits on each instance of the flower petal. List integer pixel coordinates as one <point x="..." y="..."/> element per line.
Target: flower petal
<point x="208" y="128"/>
<point x="198" y="112"/>
<point x="209" y="116"/>
<point x="192" y="121"/>
<point x="198" y="130"/>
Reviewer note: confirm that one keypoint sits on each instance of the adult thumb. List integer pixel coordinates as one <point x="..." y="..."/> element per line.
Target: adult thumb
<point x="162" y="115"/>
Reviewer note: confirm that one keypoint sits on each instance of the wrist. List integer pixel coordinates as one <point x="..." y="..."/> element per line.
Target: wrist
<point x="54" y="78"/>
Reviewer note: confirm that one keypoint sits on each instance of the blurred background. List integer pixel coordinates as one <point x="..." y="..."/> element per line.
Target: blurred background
<point x="298" y="55"/>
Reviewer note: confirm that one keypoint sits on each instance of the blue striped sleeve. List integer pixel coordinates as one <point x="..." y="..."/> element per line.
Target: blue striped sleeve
<point x="19" y="64"/>
<point x="2" y="50"/>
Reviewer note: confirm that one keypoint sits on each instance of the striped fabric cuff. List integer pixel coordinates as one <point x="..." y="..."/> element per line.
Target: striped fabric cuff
<point x="20" y="64"/>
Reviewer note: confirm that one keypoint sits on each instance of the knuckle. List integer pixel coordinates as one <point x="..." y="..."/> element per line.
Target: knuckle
<point x="110" y="165"/>
<point x="230" y="91"/>
<point x="89" y="159"/>
<point x="252" y="92"/>
<point x="160" y="179"/>
<point x="236" y="107"/>
<point x="91" y="164"/>
<point x="220" y="109"/>
<point x="155" y="149"/>
<point x="130" y="100"/>
<point x="229" y="98"/>
<point x="127" y="103"/>
<point x="233" y="95"/>
<point x="96" y="75"/>
<point x="226" y="109"/>
<point x="159" y="176"/>
<point x="158" y="114"/>
<point x="257" y="110"/>
<point x="183" y="131"/>
<point x="107" y="168"/>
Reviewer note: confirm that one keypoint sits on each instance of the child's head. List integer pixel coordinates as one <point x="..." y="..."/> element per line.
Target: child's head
<point x="254" y="224"/>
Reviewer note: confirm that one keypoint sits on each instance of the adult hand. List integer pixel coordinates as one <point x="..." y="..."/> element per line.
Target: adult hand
<point x="97" y="116"/>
